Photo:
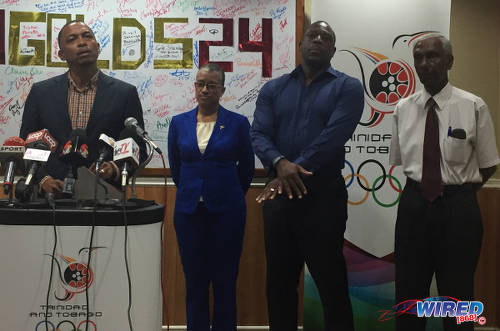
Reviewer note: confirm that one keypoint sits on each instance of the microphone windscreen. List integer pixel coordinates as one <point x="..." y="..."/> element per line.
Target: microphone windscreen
<point x="13" y="148"/>
<point x="79" y="136"/>
<point x="126" y="150"/>
<point x="14" y="141"/>
<point x="129" y="132"/>
<point x="81" y="133"/>
<point x="41" y="139"/>
<point x="75" y="151"/>
<point x="83" y="151"/>
<point x="130" y="122"/>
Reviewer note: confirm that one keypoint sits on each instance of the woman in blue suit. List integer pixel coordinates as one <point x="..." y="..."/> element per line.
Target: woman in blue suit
<point x="212" y="164"/>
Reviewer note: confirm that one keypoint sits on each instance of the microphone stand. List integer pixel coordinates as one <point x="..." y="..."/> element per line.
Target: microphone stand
<point x="143" y="165"/>
<point x="69" y="182"/>
<point x="23" y="191"/>
<point x="33" y="169"/>
<point x="10" y="196"/>
<point x="98" y="164"/>
<point x="9" y="180"/>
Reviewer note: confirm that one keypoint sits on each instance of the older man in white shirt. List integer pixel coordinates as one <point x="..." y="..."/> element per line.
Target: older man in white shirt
<point x="444" y="139"/>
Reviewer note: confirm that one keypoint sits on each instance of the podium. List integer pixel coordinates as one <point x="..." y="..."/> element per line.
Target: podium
<point x="26" y="244"/>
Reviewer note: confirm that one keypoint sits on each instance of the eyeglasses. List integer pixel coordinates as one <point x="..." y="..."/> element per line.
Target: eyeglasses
<point x="210" y="86"/>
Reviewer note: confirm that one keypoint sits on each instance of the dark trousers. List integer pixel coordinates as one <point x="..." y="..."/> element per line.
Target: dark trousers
<point x="210" y="247"/>
<point x="442" y="238"/>
<point x="309" y="230"/>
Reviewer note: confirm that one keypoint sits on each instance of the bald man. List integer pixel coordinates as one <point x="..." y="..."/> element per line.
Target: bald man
<point x="302" y="121"/>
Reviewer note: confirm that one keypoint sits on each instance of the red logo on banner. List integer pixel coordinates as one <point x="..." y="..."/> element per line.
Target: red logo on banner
<point x="77" y="275"/>
<point x="385" y="81"/>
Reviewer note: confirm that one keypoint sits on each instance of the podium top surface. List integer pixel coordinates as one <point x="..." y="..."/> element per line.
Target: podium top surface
<point x="71" y="216"/>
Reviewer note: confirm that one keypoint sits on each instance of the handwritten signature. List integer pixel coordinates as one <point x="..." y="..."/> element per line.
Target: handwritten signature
<point x="278" y="13"/>
<point x="181" y="74"/>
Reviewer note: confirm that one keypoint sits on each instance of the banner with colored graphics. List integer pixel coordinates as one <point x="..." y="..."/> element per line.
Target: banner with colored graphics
<point x="45" y="288"/>
<point x="374" y="44"/>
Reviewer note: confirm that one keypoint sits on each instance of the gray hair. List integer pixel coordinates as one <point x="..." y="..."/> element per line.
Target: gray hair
<point x="444" y="42"/>
<point x="212" y="67"/>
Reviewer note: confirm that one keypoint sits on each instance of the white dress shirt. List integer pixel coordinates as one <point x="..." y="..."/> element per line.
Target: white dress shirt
<point x="203" y="133"/>
<point x="461" y="159"/>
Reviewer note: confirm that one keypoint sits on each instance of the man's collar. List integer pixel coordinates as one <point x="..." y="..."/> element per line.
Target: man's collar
<point x="299" y="71"/>
<point x="441" y="97"/>
<point x="92" y="83"/>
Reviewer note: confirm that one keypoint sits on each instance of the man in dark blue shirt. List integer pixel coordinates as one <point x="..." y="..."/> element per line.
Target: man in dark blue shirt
<point x="302" y="121"/>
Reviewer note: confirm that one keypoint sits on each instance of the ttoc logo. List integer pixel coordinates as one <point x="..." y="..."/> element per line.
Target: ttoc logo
<point x="464" y="311"/>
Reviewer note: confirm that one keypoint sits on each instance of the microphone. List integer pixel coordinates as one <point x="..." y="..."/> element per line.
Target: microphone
<point x="43" y="136"/>
<point x="132" y="123"/>
<point x="11" y="153"/>
<point x="23" y="193"/>
<point x="74" y="154"/>
<point x="39" y="146"/>
<point x="126" y="153"/>
<point x="106" y="146"/>
<point x="50" y="199"/>
<point x="76" y="151"/>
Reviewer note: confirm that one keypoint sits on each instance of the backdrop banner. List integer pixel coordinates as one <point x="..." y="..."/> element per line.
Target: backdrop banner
<point x="157" y="46"/>
<point x="374" y="44"/>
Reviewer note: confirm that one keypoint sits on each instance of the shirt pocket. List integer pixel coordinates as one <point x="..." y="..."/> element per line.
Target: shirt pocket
<point x="456" y="150"/>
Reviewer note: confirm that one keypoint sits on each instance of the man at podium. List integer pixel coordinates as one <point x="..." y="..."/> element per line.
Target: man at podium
<point x="84" y="98"/>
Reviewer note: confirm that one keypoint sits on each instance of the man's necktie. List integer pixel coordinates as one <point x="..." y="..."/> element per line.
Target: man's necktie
<point x="432" y="186"/>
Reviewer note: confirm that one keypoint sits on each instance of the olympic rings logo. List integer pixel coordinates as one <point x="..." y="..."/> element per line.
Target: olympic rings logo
<point x="74" y="328"/>
<point x="377" y="184"/>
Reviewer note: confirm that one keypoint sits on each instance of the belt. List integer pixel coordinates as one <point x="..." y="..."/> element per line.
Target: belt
<point x="447" y="189"/>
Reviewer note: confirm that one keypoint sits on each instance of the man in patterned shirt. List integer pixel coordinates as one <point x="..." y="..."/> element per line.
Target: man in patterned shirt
<point x="83" y="97"/>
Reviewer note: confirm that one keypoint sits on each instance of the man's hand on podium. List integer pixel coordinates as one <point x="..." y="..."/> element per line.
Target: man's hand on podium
<point x="51" y="185"/>
<point x="107" y="170"/>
